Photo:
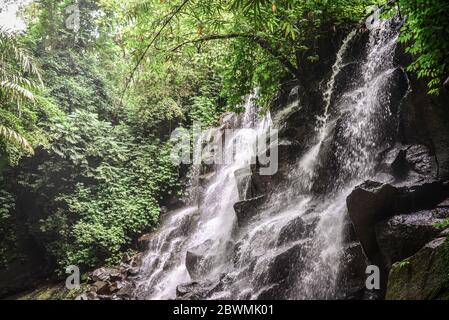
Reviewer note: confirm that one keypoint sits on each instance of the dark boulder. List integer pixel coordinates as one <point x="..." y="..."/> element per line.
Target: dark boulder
<point x="297" y="229"/>
<point x="284" y="265"/>
<point x="424" y="195"/>
<point x="108" y="274"/>
<point x="246" y="209"/>
<point x="368" y="204"/>
<point x="198" y="259"/>
<point x="402" y="236"/>
<point x="247" y="183"/>
<point x="353" y="267"/>
<point x="373" y="202"/>
<point x="411" y="162"/>
<point x="196" y="290"/>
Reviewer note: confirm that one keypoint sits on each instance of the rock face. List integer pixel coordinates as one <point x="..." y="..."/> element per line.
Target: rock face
<point x="373" y="202"/>
<point x="354" y="263"/>
<point x="297" y="229"/>
<point x="197" y="259"/>
<point x="368" y="204"/>
<point x="410" y="162"/>
<point x="394" y="222"/>
<point x="195" y="290"/>
<point x="423" y="276"/>
<point x="247" y="208"/>
<point x="401" y="236"/>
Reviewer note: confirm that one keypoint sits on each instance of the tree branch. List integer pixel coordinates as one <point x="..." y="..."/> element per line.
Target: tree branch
<point x="139" y="61"/>
<point x="263" y="43"/>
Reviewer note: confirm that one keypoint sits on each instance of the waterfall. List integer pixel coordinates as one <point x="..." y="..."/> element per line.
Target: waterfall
<point x="361" y="112"/>
<point x="208" y="226"/>
<point x="307" y="166"/>
<point x="292" y="248"/>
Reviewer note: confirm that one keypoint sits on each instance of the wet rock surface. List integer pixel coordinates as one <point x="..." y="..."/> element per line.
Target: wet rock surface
<point x="197" y="259"/>
<point x="196" y="290"/>
<point x="368" y="204"/>
<point x="246" y="209"/>
<point x="401" y="236"/>
<point x="373" y="202"/>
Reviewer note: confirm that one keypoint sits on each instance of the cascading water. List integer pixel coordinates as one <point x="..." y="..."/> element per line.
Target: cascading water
<point x="208" y="226"/>
<point x="292" y="248"/>
<point x="307" y="164"/>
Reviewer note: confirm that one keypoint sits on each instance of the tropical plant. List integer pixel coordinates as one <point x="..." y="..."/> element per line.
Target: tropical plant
<point x="17" y="80"/>
<point x="426" y="32"/>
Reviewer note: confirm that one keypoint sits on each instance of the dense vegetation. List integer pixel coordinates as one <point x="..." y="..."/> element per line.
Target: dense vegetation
<point x="86" y="109"/>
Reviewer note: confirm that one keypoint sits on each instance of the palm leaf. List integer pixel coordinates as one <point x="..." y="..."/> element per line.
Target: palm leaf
<point x="14" y="137"/>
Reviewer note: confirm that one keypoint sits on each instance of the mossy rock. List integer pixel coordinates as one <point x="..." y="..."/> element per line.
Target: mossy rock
<point x="424" y="276"/>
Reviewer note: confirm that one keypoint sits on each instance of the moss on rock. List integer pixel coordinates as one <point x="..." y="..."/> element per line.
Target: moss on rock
<point x="424" y="276"/>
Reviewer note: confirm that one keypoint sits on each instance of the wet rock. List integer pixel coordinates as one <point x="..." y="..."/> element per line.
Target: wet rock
<point x="143" y="241"/>
<point x="409" y="161"/>
<point x="353" y="267"/>
<point x="355" y="261"/>
<point x="402" y="236"/>
<point x="108" y="274"/>
<point x="102" y="287"/>
<point x="423" y="276"/>
<point x="424" y="195"/>
<point x="198" y="259"/>
<point x="136" y="260"/>
<point x="284" y="265"/>
<point x="195" y="290"/>
<point x="421" y="160"/>
<point x="273" y="292"/>
<point x="246" y="209"/>
<point x="185" y="225"/>
<point x="205" y="179"/>
<point x="248" y="185"/>
<point x="368" y="204"/>
<point x="297" y="229"/>
<point x="126" y="290"/>
<point x="373" y="202"/>
<point x="348" y="232"/>
<point x="131" y="272"/>
<point x="400" y="167"/>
